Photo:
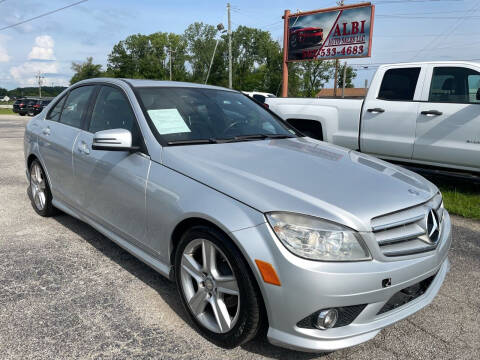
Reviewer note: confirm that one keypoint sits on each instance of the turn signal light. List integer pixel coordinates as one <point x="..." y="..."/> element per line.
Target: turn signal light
<point x="269" y="274"/>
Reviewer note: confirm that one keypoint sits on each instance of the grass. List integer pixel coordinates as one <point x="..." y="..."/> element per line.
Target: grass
<point x="6" y="111"/>
<point x="460" y="196"/>
<point x="462" y="203"/>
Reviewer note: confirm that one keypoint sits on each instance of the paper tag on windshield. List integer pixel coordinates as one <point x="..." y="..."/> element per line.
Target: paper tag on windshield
<point x="168" y="121"/>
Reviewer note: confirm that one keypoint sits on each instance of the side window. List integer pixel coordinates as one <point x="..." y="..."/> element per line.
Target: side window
<point x="454" y="85"/>
<point x="75" y="106"/>
<point x="54" y="114"/>
<point x="474" y="88"/>
<point x="113" y="111"/>
<point x="399" y="84"/>
<point x="259" y="98"/>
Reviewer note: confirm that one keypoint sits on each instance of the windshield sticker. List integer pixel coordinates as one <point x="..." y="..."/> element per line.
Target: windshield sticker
<point x="168" y="121"/>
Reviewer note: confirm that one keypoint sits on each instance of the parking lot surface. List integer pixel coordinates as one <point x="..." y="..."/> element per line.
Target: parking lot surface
<point x="66" y="291"/>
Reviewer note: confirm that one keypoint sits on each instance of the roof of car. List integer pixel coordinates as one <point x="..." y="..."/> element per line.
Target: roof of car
<point x="155" y="83"/>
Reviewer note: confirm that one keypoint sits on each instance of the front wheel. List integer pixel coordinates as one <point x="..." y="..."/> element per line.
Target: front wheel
<point x="216" y="287"/>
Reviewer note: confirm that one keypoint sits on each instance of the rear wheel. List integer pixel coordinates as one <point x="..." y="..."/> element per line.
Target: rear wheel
<point x="216" y="287"/>
<point x="39" y="191"/>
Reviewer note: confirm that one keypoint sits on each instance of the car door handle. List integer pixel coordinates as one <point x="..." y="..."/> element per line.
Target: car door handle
<point x="83" y="148"/>
<point x="46" y="131"/>
<point x="431" y="112"/>
<point x="376" y="110"/>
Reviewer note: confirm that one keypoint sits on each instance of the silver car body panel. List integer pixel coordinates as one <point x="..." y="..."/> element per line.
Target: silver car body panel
<point x="139" y="199"/>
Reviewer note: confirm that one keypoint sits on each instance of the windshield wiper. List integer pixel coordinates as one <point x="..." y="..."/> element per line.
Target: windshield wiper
<point x="192" y="142"/>
<point x="259" y="137"/>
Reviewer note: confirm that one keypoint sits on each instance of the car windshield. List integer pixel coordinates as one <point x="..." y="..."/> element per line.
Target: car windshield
<point x="193" y="115"/>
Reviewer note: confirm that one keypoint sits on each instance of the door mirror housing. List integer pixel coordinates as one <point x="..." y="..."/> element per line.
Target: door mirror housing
<point x="113" y="140"/>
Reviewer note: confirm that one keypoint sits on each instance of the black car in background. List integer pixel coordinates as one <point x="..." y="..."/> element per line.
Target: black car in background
<point x="19" y="106"/>
<point x="35" y="107"/>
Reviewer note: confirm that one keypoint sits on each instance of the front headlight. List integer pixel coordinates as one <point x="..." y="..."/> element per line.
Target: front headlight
<point x="317" y="239"/>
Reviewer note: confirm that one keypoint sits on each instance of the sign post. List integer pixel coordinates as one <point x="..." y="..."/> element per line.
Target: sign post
<point x="333" y="33"/>
<point x="285" y="54"/>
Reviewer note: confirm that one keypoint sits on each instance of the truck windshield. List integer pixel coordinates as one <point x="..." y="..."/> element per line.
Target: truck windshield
<point x="181" y="116"/>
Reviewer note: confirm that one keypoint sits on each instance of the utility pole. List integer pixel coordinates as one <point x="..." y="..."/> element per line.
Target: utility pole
<point x="40" y="80"/>
<point x="170" y="51"/>
<point x="335" y="85"/>
<point x="344" y="77"/>
<point x="285" y="54"/>
<point x="229" y="47"/>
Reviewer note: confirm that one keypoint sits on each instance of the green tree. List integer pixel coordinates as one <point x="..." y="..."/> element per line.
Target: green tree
<point x="201" y="39"/>
<point x="147" y="57"/>
<point x="315" y="74"/>
<point x="351" y="74"/>
<point x="85" y="70"/>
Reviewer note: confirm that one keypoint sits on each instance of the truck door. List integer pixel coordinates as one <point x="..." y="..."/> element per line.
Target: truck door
<point x="389" y="113"/>
<point x="448" y="123"/>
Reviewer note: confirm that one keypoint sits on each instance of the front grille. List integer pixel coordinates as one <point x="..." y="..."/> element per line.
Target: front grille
<point x="346" y="315"/>
<point x="406" y="295"/>
<point x="405" y="232"/>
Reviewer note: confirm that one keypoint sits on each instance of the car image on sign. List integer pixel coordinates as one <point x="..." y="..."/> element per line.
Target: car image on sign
<point x="301" y="37"/>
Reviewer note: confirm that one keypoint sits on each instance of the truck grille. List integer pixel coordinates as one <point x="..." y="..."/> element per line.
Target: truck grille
<point x="410" y="231"/>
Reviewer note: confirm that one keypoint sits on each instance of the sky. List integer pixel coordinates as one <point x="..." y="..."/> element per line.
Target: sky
<point x="404" y="30"/>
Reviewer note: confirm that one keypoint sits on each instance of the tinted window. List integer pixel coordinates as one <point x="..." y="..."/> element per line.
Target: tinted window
<point x="75" y="106"/>
<point x="112" y="111"/>
<point x="54" y="114"/>
<point x="454" y="85"/>
<point x="191" y="114"/>
<point x="399" y="84"/>
<point x="259" y="98"/>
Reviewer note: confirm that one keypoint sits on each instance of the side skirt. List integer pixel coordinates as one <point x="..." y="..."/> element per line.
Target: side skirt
<point x="157" y="265"/>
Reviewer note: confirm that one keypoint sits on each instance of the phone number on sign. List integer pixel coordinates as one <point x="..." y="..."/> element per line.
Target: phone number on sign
<point x="334" y="51"/>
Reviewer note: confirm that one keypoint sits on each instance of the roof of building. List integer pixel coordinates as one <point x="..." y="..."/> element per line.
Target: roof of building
<point x="349" y="92"/>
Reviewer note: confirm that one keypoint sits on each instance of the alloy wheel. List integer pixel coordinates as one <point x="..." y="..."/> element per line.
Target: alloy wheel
<point x="38" y="186"/>
<point x="209" y="285"/>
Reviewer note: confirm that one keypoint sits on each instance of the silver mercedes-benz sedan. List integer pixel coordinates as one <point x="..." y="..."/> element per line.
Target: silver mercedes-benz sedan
<point x="257" y="224"/>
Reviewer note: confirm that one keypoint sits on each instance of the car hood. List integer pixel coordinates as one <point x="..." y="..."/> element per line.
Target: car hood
<point x="302" y="175"/>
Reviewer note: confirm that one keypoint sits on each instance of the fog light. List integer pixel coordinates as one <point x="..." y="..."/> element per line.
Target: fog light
<point x="326" y="319"/>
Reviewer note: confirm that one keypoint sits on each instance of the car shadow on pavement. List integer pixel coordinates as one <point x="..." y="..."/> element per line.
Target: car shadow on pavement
<point x="164" y="287"/>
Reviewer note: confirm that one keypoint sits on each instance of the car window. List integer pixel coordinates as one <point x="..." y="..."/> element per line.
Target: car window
<point x="75" y="106"/>
<point x="399" y="84"/>
<point x="180" y="114"/>
<point x="259" y="98"/>
<point x="113" y="111"/>
<point x="54" y="113"/>
<point x="454" y="85"/>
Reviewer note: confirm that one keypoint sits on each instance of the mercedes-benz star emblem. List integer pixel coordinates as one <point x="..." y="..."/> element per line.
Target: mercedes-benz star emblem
<point x="432" y="226"/>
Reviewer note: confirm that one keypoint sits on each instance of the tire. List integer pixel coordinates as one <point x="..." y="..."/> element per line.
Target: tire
<point x="21" y="114"/>
<point x="243" y="310"/>
<point x="39" y="191"/>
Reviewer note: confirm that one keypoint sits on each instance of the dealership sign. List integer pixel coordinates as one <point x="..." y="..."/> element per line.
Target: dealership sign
<point x="343" y="32"/>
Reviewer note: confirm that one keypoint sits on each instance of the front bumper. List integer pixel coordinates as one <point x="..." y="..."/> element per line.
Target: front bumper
<point x="309" y="286"/>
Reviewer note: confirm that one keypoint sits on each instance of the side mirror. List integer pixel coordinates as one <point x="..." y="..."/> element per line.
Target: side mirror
<point x="478" y="94"/>
<point x="113" y="140"/>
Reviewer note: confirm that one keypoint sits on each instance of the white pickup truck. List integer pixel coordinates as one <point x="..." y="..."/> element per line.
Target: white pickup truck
<point x="426" y="113"/>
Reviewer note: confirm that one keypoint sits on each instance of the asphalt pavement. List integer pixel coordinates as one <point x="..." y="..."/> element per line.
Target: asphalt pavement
<point x="68" y="292"/>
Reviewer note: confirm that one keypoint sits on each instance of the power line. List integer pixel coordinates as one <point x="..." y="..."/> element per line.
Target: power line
<point x="427" y="17"/>
<point x="446" y="33"/>
<point x="42" y="15"/>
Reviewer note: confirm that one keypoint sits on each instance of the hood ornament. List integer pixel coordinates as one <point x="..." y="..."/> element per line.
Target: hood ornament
<point x="414" y="192"/>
